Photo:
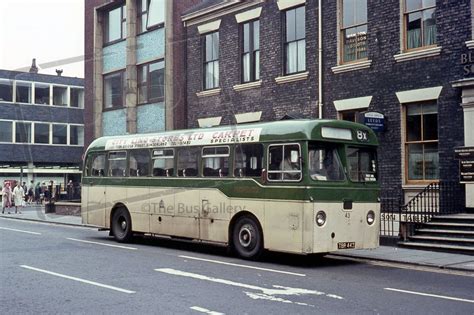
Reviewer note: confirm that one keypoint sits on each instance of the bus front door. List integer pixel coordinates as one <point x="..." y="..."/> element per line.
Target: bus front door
<point x="96" y="202"/>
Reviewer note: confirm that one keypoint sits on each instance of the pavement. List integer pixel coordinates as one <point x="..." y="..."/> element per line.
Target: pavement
<point x="392" y="254"/>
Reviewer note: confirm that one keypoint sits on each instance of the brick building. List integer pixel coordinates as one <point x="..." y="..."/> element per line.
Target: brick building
<point x="134" y="51"/>
<point x="41" y="127"/>
<point x="401" y="58"/>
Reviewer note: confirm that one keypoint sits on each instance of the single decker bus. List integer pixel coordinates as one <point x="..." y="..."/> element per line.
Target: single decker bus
<point x="296" y="186"/>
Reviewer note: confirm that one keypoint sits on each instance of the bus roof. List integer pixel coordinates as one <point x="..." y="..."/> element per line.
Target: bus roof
<point x="283" y="130"/>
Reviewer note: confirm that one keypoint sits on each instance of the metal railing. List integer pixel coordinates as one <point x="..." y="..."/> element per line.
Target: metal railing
<point x="400" y="220"/>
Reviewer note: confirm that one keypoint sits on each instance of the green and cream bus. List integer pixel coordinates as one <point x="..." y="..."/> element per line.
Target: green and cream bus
<point x="298" y="186"/>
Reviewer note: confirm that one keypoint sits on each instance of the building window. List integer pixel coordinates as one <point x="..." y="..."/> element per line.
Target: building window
<point x="59" y="134"/>
<point x="421" y="142"/>
<point x="77" y="97"/>
<point x="420" y="23"/>
<point x="6" y="91"/>
<point x="351" y="115"/>
<point x="76" y="135"/>
<point x="151" y="14"/>
<point x="211" y="60"/>
<point x="115" y="24"/>
<point x="42" y="133"/>
<point x="60" y="95"/>
<point x="23" y="132"/>
<point x="151" y="82"/>
<point x="42" y="94"/>
<point x="23" y="92"/>
<point x="251" y="51"/>
<point x="295" y="40"/>
<point x="354" y="30"/>
<point x="114" y="90"/>
<point x="6" y="131"/>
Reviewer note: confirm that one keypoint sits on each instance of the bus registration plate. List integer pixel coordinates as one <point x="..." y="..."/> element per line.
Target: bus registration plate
<point x="346" y="245"/>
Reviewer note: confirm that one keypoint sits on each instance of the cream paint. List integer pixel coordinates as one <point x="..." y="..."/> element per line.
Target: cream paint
<point x="354" y="227"/>
<point x="288" y="226"/>
<point x="277" y="290"/>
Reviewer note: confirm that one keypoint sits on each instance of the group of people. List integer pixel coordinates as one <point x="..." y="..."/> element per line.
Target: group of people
<point x="17" y="195"/>
<point x="21" y="195"/>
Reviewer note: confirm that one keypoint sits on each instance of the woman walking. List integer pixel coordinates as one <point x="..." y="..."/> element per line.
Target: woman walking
<point x="6" y="197"/>
<point x="18" y="197"/>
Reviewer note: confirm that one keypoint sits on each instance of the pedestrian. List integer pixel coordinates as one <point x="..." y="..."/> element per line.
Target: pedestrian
<point x="18" y="197"/>
<point x="38" y="193"/>
<point x="70" y="190"/>
<point x="31" y="192"/>
<point x="6" y="197"/>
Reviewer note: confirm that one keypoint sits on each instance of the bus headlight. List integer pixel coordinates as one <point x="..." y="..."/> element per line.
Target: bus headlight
<point x="370" y="217"/>
<point x="320" y="218"/>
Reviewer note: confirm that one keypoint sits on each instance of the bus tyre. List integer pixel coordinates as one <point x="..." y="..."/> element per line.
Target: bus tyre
<point x="122" y="225"/>
<point x="247" y="238"/>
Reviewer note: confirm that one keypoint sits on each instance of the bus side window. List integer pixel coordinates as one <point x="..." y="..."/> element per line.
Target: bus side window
<point x="117" y="163"/>
<point x="248" y="160"/>
<point x="139" y="163"/>
<point x="188" y="161"/>
<point x="284" y="163"/>
<point x="215" y="161"/>
<point x="97" y="167"/>
<point x="163" y="162"/>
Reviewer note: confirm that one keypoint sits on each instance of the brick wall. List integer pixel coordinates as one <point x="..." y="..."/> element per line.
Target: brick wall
<point x="382" y="80"/>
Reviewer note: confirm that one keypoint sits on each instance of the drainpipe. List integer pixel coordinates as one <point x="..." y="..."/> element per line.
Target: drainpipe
<point x="320" y="59"/>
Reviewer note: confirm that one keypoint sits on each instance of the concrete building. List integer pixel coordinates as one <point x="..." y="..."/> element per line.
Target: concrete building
<point x="134" y="66"/>
<point x="41" y="127"/>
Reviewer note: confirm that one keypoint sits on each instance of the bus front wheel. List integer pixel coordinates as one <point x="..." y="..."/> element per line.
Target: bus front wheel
<point x="247" y="238"/>
<point x="122" y="225"/>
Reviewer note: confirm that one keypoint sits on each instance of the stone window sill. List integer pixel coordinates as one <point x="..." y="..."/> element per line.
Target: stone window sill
<point x="248" y="86"/>
<point x="209" y="92"/>
<point x="352" y="66"/>
<point x="470" y="44"/>
<point x="418" y="54"/>
<point x="292" y="78"/>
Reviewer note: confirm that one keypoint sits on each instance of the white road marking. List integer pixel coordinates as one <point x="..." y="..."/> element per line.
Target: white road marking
<point x="431" y="295"/>
<point x="205" y="310"/>
<point x="103" y="244"/>
<point x="278" y="290"/>
<point x="78" y="279"/>
<point x="261" y="296"/>
<point x="244" y="266"/>
<point x="21" y="231"/>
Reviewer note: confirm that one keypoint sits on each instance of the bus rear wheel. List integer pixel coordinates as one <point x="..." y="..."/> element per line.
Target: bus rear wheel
<point x="247" y="238"/>
<point x="122" y="225"/>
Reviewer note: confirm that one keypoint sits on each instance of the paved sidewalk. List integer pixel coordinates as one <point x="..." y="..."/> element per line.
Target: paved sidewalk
<point x="383" y="253"/>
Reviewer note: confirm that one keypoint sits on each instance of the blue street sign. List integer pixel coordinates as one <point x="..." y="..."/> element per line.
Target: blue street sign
<point x="375" y="121"/>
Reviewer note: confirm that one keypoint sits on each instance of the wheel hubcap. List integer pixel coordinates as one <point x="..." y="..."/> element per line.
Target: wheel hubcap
<point x="123" y="225"/>
<point x="245" y="236"/>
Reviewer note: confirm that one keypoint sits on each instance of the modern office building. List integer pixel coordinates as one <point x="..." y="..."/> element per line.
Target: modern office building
<point x="41" y="127"/>
<point x="134" y="67"/>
